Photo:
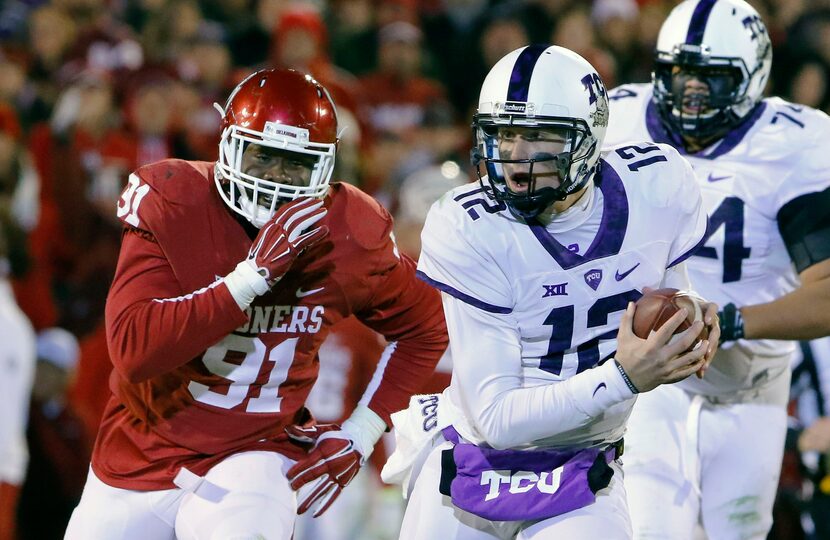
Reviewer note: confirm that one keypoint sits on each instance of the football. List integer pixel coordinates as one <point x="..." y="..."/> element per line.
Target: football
<point x="657" y="306"/>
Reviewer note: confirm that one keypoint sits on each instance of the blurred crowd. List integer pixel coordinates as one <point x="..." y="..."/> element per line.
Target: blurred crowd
<point x="92" y="89"/>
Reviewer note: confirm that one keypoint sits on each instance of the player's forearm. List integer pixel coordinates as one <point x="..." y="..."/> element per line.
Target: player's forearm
<point x="408" y="313"/>
<point x="519" y="416"/>
<point x="506" y="410"/>
<point x="801" y="314"/>
<point x="402" y="371"/>
<point x="153" y="337"/>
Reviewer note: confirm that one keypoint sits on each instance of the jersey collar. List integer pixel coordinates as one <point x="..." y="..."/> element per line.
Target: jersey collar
<point x="659" y="134"/>
<point x="611" y="233"/>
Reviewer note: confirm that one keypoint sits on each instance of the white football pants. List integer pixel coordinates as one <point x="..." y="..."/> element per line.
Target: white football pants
<point x="688" y="460"/>
<point x="245" y="497"/>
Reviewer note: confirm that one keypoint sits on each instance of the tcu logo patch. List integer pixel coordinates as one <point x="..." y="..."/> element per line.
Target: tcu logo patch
<point x="429" y="410"/>
<point x="593" y="278"/>
<point x="520" y="482"/>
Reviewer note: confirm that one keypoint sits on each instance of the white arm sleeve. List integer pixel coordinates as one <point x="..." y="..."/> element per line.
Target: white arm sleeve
<point x="487" y="372"/>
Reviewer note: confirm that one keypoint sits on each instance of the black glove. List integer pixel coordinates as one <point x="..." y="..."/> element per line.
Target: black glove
<point x="731" y="323"/>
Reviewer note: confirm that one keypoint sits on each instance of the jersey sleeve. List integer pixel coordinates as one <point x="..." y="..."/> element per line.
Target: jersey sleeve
<point x="408" y="313"/>
<point x="804" y="199"/>
<point x="687" y="205"/>
<point x="152" y="325"/>
<point x="487" y="370"/>
<point x="452" y="264"/>
<point x="810" y="172"/>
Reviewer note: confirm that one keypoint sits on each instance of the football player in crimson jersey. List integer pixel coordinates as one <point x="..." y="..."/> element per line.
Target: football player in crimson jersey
<point x="229" y="279"/>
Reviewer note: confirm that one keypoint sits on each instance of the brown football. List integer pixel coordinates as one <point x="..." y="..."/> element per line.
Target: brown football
<point x="655" y="307"/>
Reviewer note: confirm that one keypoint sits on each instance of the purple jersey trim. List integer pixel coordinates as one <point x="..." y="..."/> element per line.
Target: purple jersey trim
<point x="659" y="134"/>
<point x="466" y="298"/>
<point x="693" y="249"/>
<point x="611" y="231"/>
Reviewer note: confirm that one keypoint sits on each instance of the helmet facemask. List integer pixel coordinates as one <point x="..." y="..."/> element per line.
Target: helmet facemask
<point x="256" y="199"/>
<point x="571" y="164"/>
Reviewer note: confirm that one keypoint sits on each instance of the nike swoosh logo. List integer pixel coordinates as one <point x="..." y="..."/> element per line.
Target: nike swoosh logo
<point x="301" y="293"/>
<point x="620" y="277"/>
<point x="599" y="387"/>
<point x="713" y="178"/>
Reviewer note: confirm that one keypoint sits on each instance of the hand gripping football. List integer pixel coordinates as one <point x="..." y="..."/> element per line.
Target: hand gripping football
<point x="657" y="306"/>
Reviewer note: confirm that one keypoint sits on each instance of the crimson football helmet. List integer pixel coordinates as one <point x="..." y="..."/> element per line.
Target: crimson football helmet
<point x="279" y="108"/>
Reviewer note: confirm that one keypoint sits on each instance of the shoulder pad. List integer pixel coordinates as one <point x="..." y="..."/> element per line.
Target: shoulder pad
<point x="367" y="223"/>
<point x="153" y="191"/>
<point x="655" y="170"/>
<point x="179" y="181"/>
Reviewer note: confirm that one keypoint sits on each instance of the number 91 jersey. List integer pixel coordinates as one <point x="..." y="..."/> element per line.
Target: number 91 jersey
<point x="777" y="155"/>
<point x="565" y="289"/>
<point x="197" y="378"/>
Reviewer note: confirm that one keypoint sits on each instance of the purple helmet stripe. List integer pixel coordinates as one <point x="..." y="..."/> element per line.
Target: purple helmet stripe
<point x="519" y="85"/>
<point x="698" y="23"/>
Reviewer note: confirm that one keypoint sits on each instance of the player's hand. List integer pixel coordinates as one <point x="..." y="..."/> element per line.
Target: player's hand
<point x="659" y="359"/>
<point x="281" y="240"/>
<point x="816" y="436"/>
<point x="332" y="463"/>
<point x="712" y="321"/>
<point x="731" y="323"/>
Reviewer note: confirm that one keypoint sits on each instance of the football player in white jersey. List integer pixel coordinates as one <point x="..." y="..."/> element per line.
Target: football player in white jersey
<point x="710" y="449"/>
<point x="539" y="265"/>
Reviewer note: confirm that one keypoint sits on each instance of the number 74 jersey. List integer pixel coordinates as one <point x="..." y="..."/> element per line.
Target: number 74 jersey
<point x="564" y="286"/>
<point x="777" y="155"/>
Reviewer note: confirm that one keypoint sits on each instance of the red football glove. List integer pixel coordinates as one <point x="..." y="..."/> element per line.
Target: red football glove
<point x="285" y="236"/>
<point x="329" y="467"/>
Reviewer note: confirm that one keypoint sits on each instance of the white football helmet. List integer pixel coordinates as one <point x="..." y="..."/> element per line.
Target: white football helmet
<point x="722" y="43"/>
<point x="546" y="87"/>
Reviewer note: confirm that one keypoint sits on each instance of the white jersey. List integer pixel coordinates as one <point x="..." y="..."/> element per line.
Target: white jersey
<point x="776" y="155"/>
<point x="532" y="310"/>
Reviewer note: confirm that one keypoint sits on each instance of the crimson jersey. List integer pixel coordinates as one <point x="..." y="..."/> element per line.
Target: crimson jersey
<point x="197" y="379"/>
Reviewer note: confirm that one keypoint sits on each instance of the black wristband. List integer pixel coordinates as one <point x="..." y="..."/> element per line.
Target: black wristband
<point x="731" y="323"/>
<point x="625" y="378"/>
